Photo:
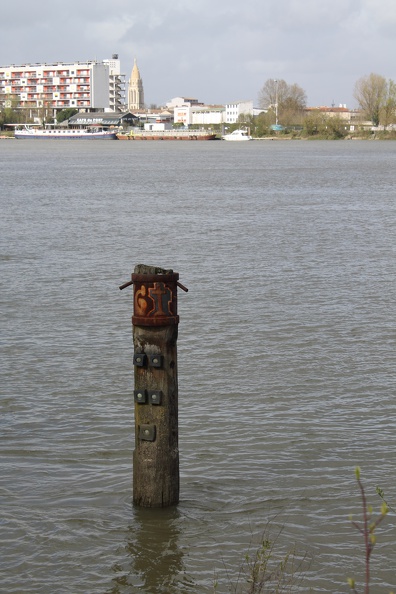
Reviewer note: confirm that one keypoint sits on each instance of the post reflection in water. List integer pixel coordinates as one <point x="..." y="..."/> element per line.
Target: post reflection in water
<point x="156" y="561"/>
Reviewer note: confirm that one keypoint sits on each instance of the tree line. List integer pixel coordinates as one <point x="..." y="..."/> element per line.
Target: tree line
<point x="375" y="95"/>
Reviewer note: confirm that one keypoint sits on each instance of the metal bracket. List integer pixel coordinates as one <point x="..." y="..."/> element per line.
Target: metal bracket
<point x="156" y="361"/>
<point x="147" y="432"/>
<point x="140" y="359"/>
<point x="155" y="397"/>
<point x="140" y="396"/>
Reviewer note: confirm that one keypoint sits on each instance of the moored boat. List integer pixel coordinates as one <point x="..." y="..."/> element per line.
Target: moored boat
<point x="93" y="133"/>
<point x="166" y="135"/>
<point x="238" y="135"/>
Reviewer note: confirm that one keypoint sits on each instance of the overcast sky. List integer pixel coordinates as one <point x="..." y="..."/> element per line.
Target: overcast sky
<point x="217" y="51"/>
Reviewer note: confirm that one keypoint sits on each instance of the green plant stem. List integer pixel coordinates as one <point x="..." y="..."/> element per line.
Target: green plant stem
<point x="367" y="543"/>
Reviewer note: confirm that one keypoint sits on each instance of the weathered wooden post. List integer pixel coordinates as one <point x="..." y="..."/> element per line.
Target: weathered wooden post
<point x="155" y="327"/>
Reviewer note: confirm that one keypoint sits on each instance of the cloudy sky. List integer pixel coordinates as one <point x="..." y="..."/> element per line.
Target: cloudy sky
<point x="215" y="50"/>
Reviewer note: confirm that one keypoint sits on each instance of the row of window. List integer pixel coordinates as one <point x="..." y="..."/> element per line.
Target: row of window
<point x="42" y="89"/>
<point x="46" y="96"/>
<point x="42" y="81"/>
<point x="40" y="74"/>
<point x="60" y="103"/>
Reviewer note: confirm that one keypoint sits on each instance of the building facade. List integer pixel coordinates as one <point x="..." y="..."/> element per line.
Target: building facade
<point x="44" y="89"/>
<point x="341" y="112"/>
<point x="116" y="84"/>
<point x="199" y="115"/>
<point x="234" y="110"/>
<point x="135" y="90"/>
<point x="182" y="102"/>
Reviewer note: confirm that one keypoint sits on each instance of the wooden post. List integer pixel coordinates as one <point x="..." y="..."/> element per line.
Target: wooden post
<point x="155" y="327"/>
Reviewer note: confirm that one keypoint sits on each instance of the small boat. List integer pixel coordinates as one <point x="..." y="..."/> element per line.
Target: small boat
<point x="238" y="135"/>
<point x="93" y="133"/>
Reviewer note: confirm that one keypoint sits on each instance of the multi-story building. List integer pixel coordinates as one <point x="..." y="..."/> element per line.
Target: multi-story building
<point x="116" y="84"/>
<point x="44" y="89"/>
<point x="234" y="110"/>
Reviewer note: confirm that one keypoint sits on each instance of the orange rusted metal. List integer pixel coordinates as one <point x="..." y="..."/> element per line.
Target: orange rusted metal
<point x="155" y="299"/>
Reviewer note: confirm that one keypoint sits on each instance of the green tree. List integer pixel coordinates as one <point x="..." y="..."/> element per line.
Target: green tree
<point x="313" y="124"/>
<point x="246" y="120"/>
<point x="388" y="110"/>
<point x="262" y="124"/>
<point x="9" y="115"/>
<point x="65" y="114"/>
<point x="323" y="125"/>
<point x="377" y="98"/>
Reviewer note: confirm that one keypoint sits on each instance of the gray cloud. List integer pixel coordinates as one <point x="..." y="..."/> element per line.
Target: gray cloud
<point x="211" y="50"/>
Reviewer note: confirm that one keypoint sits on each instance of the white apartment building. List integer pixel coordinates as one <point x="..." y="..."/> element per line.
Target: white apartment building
<point x="86" y="86"/>
<point x="116" y="84"/>
<point x="234" y="110"/>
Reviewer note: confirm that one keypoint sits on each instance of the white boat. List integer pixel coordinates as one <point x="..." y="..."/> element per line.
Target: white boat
<point x="93" y="133"/>
<point x="238" y="135"/>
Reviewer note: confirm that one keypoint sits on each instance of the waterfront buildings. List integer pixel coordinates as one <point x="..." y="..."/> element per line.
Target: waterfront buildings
<point x="190" y="112"/>
<point x="42" y="90"/>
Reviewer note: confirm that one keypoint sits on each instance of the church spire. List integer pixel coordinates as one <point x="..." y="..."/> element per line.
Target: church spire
<point x="135" y="89"/>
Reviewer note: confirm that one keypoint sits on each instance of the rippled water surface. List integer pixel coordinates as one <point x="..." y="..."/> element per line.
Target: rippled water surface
<point x="286" y="360"/>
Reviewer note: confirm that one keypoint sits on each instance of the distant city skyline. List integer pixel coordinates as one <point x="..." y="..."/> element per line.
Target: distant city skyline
<point x="215" y="52"/>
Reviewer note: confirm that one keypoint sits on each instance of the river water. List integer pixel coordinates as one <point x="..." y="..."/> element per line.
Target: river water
<point x="286" y="357"/>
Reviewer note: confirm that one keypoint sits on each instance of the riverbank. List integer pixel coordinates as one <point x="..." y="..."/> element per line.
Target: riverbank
<point x="359" y="136"/>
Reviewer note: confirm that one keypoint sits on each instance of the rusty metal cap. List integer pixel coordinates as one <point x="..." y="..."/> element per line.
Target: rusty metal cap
<point x="155" y="299"/>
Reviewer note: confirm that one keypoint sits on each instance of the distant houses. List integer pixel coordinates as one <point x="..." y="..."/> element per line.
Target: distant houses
<point x="341" y="112"/>
<point x="190" y="112"/>
<point x="352" y="117"/>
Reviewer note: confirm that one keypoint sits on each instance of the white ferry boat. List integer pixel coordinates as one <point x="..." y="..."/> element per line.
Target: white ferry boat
<point x="94" y="133"/>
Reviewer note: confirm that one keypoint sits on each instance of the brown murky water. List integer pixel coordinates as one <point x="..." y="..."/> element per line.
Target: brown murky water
<point x="286" y="359"/>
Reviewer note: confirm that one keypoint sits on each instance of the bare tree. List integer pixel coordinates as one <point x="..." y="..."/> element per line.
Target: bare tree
<point x="272" y="91"/>
<point x="285" y="100"/>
